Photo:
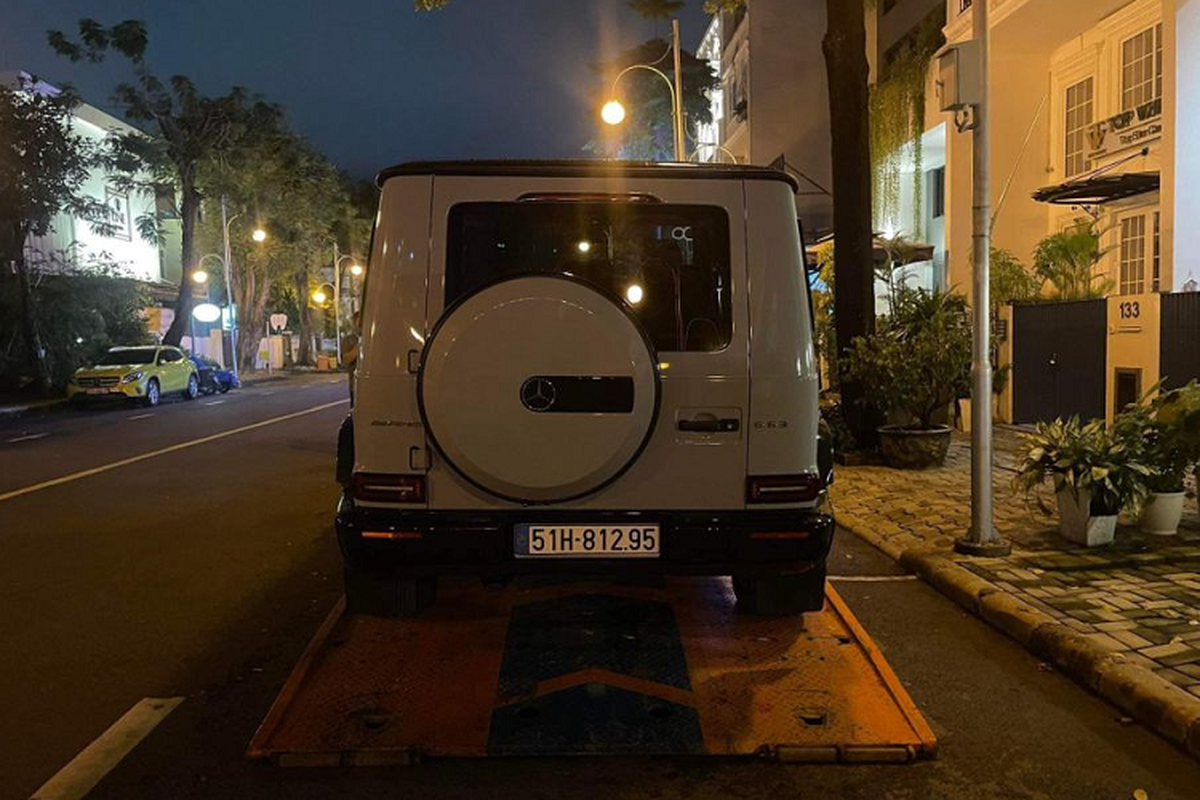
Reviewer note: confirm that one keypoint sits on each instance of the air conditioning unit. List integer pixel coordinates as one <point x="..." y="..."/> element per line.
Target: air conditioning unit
<point x="959" y="76"/>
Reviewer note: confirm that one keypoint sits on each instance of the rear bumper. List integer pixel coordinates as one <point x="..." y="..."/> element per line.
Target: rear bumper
<point x="481" y="543"/>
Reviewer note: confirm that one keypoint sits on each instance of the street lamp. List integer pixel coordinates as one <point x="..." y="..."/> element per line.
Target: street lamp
<point x="200" y="276"/>
<point x="356" y="269"/>
<point x="613" y="111"/>
<point x="319" y="297"/>
<point x="259" y="235"/>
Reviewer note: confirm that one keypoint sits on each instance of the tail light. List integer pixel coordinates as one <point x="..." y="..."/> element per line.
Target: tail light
<point x="379" y="487"/>
<point x="800" y="488"/>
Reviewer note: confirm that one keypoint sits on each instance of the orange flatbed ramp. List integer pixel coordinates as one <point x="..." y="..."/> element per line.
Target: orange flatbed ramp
<point x="581" y="668"/>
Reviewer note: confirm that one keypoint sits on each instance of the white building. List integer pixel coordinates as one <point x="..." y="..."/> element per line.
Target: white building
<point x="77" y="241"/>
<point x="773" y="105"/>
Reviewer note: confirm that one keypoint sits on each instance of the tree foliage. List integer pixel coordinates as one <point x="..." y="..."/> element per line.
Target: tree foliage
<point x="1068" y="261"/>
<point x="44" y="165"/>
<point x="80" y="312"/>
<point x="656" y="9"/>
<point x="191" y="128"/>
<point x="919" y="359"/>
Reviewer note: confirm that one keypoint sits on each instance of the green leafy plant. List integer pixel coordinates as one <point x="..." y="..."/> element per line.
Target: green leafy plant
<point x="1178" y="411"/>
<point x="1010" y="280"/>
<point x="919" y="359"/>
<point x="1083" y="456"/>
<point x="1067" y="260"/>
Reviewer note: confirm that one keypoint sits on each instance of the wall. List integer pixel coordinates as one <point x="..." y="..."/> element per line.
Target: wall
<point x="789" y="98"/>
<point x="1134" y="327"/>
<point x="1186" y="110"/>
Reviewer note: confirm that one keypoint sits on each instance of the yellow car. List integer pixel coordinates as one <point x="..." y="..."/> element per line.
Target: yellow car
<point x="139" y="373"/>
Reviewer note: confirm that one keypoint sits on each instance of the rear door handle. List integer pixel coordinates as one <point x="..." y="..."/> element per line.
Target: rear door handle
<point x="723" y="425"/>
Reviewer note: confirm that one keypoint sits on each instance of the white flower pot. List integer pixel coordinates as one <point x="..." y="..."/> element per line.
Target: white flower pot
<point x="1076" y="523"/>
<point x="1162" y="514"/>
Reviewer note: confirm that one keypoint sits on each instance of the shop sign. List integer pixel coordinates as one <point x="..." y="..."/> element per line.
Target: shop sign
<point x="1126" y="130"/>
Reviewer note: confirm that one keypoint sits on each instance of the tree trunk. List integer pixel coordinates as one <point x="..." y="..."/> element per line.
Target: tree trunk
<point x="845" y="48"/>
<point x="34" y="355"/>
<point x="305" y="356"/>
<point x="12" y="251"/>
<point x="189" y="213"/>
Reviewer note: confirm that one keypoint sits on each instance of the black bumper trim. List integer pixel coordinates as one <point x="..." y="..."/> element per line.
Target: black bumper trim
<point x="480" y="543"/>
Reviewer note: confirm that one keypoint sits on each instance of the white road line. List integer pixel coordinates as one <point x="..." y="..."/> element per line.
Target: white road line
<point x="28" y="438"/>
<point x="266" y="394"/>
<point x="141" y="416"/>
<point x="214" y="402"/>
<point x="124" y="462"/>
<point x="872" y="578"/>
<point x="79" y="777"/>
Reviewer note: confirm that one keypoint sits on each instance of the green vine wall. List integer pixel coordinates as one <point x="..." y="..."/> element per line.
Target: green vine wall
<point x="897" y="125"/>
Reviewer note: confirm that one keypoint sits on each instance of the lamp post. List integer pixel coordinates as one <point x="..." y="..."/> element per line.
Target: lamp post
<point x="226" y="259"/>
<point x="613" y="111"/>
<point x="355" y="269"/>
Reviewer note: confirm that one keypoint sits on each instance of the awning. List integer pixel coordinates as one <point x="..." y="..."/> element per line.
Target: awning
<point x="1098" y="190"/>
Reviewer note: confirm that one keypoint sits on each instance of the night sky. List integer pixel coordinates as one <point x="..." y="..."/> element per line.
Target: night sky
<point x="371" y="82"/>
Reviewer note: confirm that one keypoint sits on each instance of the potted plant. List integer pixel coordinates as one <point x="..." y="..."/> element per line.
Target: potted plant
<point x="1162" y="443"/>
<point x="1095" y="476"/>
<point x="916" y="364"/>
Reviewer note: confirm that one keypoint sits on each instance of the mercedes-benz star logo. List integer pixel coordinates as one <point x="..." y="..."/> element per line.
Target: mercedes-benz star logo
<point x="538" y="394"/>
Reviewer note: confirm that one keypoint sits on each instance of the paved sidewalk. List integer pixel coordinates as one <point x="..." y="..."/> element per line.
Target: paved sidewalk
<point x="1139" y="598"/>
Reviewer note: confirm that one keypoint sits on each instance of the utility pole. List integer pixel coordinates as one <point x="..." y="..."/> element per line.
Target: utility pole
<point x="337" y="302"/>
<point x="229" y="288"/>
<point x="982" y="538"/>
<point x="680" y="145"/>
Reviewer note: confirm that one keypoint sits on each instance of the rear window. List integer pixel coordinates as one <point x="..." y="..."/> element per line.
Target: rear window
<point x="668" y="263"/>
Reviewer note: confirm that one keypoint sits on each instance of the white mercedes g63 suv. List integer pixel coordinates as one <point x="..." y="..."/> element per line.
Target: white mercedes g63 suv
<point x="598" y="368"/>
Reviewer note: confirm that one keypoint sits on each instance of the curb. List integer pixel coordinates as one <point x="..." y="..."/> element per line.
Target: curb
<point x="1154" y="701"/>
<point x="32" y="409"/>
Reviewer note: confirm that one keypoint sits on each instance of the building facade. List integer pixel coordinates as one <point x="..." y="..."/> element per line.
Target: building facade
<point x="1086" y="99"/>
<point x="76" y="242"/>
<point x="773" y="105"/>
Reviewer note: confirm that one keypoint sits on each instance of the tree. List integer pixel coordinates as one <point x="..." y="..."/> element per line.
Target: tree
<point x="43" y="167"/>
<point x="648" y="130"/>
<point x="656" y="9"/>
<point x="275" y="179"/>
<point x="190" y="127"/>
<point x="1067" y="260"/>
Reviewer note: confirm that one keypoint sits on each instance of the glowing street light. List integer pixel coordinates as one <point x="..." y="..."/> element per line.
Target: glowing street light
<point x="634" y="294"/>
<point x="584" y="246"/>
<point x="356" y="270"/>
<point x="613" y="112"/>
<point x="319" y="297"/>
<point x="200" y="276"/>
<point x="259" y="235"/>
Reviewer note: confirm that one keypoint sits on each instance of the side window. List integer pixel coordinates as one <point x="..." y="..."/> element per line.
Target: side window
<point x="169" y="356"/>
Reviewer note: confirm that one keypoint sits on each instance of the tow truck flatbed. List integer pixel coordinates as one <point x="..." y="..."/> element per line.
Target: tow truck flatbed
<point x="591" y="668"/>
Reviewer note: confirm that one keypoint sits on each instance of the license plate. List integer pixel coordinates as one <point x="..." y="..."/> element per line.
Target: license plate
<point x="97" y="391"/>
<point x="574" y="540"/>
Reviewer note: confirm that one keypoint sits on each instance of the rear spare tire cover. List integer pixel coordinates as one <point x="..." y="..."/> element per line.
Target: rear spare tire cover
<point x="539" y="389"/>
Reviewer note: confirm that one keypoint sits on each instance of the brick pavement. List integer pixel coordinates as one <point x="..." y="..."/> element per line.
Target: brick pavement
<point x="1139" y="597"/>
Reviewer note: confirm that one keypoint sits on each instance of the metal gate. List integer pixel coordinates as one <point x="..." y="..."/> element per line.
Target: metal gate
<point x="1059" y="353"/>
<point x="1179" y="348"/>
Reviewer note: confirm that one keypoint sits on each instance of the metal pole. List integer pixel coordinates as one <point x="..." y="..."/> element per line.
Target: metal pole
<point x="337" y="304"/>
<point x="229" y="289"/>
<point x="982" y="539"/>
<point x="680" y="147"/>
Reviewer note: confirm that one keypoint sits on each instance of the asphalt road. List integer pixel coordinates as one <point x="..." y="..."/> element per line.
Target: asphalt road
<point x="201" y="572"/>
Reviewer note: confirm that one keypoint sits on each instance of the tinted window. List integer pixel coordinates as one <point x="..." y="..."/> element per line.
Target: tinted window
<point x="669" y="263"/>
<point x="134" y="355"/>
<point x="170" y="357"/>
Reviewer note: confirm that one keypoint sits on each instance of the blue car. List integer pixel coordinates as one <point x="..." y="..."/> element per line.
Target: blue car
<point x="213" y="377"/>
